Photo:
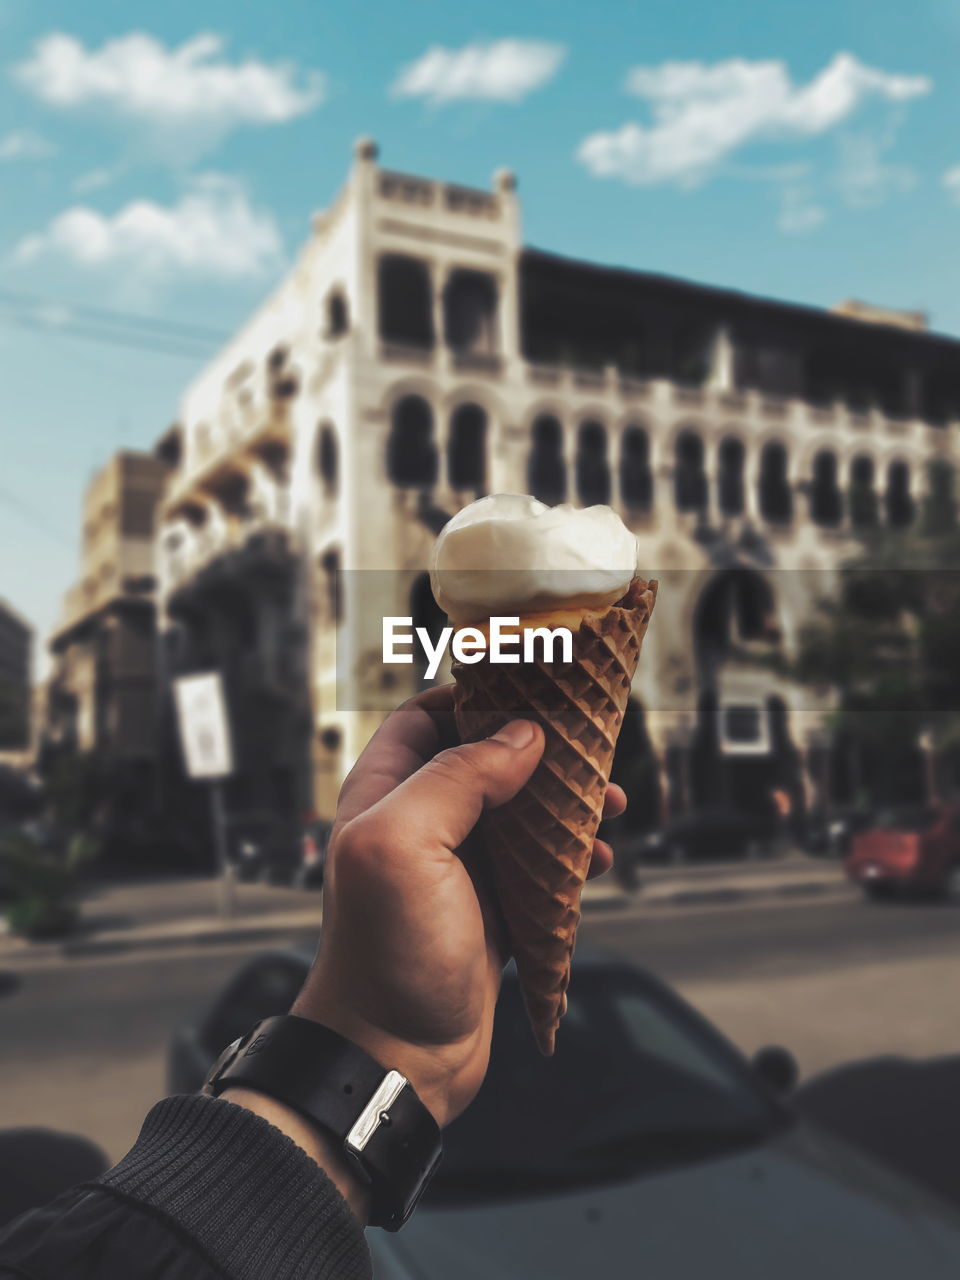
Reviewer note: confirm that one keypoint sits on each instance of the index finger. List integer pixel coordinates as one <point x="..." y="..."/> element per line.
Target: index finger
<point x="407" y="739"/>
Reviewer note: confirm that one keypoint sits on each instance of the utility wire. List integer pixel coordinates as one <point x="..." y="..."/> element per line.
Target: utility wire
<point x="115" y="328"/>
<point x="103" y="315"/>
<point x="140" y="342"/>
<point x="30" y="513"/>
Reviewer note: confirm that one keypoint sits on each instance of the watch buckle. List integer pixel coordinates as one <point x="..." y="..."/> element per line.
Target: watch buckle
<point x="374" y="1114"/>
<point x="221" y="1064"/>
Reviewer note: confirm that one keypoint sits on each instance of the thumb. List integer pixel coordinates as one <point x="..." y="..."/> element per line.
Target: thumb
<point x="441" y="803"/>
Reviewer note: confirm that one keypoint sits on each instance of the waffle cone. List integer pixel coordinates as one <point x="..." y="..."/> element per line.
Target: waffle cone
<point x="541" y="841"/>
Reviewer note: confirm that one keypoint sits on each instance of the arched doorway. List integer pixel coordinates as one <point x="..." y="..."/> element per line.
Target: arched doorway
<point x="741" y="752"/>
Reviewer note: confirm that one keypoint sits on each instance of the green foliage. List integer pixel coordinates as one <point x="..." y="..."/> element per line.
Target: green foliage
<point x="887" y="643"/>
<point x="72" y="789"/>
<point x="43" y="887"/>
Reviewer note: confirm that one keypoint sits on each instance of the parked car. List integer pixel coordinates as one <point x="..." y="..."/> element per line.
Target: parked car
<point x="646" y="1146"/>
<point x="263" y="848"/>
<point x="696" y="837"/>
<point x="909" y="850"/>
<point x="831" y="834"/>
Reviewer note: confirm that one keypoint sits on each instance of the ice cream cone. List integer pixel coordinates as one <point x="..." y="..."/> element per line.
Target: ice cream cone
<point x="540" y="842"/>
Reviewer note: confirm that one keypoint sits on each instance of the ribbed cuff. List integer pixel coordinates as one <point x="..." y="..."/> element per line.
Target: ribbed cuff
<point x="251" y="1198"/>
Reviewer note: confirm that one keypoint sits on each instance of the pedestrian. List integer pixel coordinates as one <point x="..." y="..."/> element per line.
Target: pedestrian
<point x="272" y="1175"/>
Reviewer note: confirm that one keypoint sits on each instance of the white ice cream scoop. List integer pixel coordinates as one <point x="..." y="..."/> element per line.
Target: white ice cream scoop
<point x="510" y="554"/>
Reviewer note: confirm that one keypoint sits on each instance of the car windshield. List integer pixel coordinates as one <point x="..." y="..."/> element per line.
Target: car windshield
<point x="917" y="819"/>
<point x="637" y="1083"/>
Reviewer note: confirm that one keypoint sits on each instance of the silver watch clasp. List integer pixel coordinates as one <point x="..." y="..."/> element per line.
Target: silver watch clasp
<point x="375" y="1113"/>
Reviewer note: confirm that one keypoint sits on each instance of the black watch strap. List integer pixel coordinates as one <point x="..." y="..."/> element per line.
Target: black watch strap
<point x="373" y="1113"/>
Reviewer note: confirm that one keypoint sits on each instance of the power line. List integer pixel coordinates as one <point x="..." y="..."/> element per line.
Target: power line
<point x="115" y="328"/>
<point x="158" y="345"/>
<point x="108" y="316"/>
<point x="34" y="517"/>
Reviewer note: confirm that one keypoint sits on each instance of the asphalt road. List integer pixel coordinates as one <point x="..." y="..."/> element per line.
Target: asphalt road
<point x="83" y="1040"/>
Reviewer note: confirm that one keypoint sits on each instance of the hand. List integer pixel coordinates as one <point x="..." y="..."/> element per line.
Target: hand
<point x="412" y="948"/>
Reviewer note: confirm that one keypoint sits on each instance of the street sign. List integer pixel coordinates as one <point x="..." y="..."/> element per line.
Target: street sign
<point x="204" y="730"/>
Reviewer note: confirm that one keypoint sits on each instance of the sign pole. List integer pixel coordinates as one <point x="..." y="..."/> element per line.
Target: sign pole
<point x="227" y="888"/>
<point x="208" y="756"/>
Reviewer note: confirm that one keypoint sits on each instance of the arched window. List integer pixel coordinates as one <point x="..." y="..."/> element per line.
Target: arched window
<point x="689" y="477"/>
<point x="328" y="459"/>
<point x="864" y="510"/>
<point x="338" y="317"/>
<point x="411" y="452"/>
<point x="730" y="477"/>
<point x="897" y="501"/>
<point x="470" y="312"/>
<point x="826" y="500"/>
<point x="776" y="499"/>
<point x="636" y="478"/>
<point x="467" y="449"/>
<point x="546" y="468"/>
<point x="593" y="471"/>
<point x="405" y="300"/>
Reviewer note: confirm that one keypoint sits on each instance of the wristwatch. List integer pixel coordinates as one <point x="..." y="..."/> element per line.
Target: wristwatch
<point x="371" y="1112"/>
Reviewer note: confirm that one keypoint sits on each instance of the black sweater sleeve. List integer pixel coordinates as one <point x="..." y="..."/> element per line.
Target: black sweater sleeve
<point x="208" y="1191"/>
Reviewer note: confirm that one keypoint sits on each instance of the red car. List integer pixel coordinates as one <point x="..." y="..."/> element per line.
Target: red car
<point x="909" y="849"/>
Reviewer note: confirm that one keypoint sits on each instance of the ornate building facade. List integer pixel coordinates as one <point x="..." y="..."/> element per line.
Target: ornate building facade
<point x="100" y="700"/>
<point x="417" y="356"/>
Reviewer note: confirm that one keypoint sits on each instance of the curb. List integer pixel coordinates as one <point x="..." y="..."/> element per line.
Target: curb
<point x="720" y="896"/>
<point x="601" y="901"/>
<point x="108" y="946"/>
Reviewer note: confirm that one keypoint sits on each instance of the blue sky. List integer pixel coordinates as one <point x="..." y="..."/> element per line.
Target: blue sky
<point x="164" y="160"/>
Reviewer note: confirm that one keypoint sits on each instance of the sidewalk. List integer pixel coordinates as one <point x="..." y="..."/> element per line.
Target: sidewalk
<point x="183" y="912"/>
<point x="176" y="913"/>
<point x="795" y="875"/>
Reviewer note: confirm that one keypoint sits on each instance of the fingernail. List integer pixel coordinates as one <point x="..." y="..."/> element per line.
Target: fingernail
<point x="517" y="734"/>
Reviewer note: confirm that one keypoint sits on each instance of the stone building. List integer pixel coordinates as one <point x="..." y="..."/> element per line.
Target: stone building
<point x="16" y="645"/>
<point x="101" y="696"/>
<point x="417" y="356"/>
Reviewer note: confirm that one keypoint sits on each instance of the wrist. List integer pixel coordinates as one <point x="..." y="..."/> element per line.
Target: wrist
<point x="324" y="1152"/>
<point x="430" y="1073"/>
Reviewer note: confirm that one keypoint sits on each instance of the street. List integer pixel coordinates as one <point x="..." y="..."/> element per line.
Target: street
<point x="838" y="981"/>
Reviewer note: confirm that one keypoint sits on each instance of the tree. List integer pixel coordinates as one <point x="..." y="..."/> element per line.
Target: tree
<point x="886" y="643"/>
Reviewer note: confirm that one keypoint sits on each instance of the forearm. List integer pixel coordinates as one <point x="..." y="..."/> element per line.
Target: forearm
<point x="221" y="1191"/>
<point x="308" y="1138"/>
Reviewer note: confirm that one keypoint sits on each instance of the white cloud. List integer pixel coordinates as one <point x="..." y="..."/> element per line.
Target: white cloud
<point x="211" y="231"/>
<point x="93" y="180"/>
<point x="190" y="86"/>
<point x="702" y="114"/>
<point x="951" y="181"/>
<point x="799" y="212"/>
<point x="864" y="179"/>
<point x="25" y="145"/>
<point x="492" y="71"/>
